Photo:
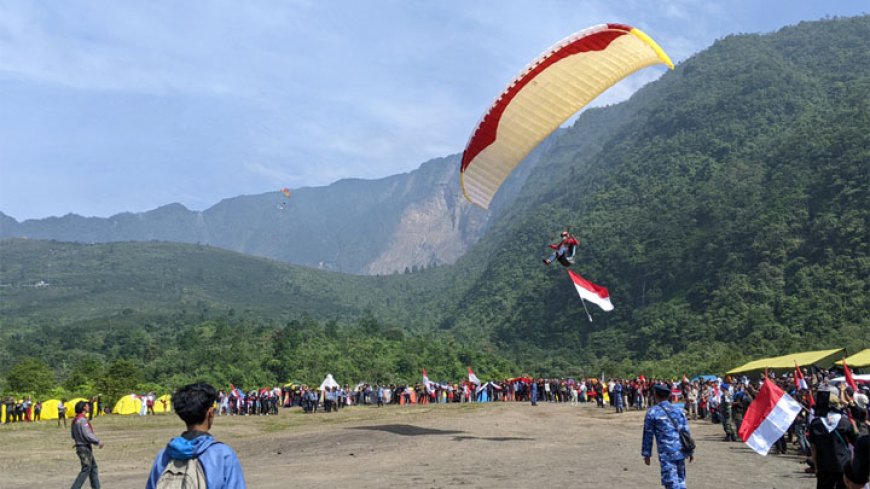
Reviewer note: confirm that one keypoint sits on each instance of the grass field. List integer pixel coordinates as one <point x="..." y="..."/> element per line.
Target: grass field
<point x="499" y="445"/>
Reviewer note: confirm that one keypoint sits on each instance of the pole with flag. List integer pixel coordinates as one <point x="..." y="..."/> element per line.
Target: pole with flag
<point x="427" y="383"/>
<point x="850" y="381"/>
<point x="801" y="383"/>
<point x="593" y="293"/>
<point x="473" y="378"/>
<point x="768" y="417"/>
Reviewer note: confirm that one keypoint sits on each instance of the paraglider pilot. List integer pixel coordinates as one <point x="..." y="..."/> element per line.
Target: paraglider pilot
<point x="564" y="250"/>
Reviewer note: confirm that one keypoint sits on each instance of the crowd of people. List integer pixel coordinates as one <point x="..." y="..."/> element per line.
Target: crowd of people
<point x="826" y="432"/>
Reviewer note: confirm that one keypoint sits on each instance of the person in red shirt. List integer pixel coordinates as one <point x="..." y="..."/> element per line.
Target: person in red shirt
<point x="564" y="250"/>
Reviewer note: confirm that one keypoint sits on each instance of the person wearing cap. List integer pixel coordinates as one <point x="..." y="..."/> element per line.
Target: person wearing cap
<point x="564" y="250"/>
<point x="664" y="423"/>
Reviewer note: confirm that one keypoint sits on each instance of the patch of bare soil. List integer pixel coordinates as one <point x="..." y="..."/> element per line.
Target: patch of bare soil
<point x="498" y="445"/>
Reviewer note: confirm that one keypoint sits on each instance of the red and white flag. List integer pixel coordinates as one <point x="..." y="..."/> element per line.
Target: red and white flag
<point x="430" y="386"/>
<point x="850" y="381"/>
<point x="768" y="417"/>
<point x="473" y="378"/>
<point x="595" y="294"/>
<point x="801" y="383"/>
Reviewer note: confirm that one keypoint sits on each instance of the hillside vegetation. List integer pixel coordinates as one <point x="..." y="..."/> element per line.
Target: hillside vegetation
<point x="726" y="206"/>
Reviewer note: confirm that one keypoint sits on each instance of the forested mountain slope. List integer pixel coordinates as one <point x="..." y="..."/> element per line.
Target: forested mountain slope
<point x="726" y="207"/>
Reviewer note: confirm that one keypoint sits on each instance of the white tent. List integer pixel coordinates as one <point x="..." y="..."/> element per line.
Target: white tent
<point x="328" y="382"/>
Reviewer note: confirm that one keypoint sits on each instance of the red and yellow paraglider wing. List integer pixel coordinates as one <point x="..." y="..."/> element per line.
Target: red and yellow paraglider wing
<point x="548" y="92"/>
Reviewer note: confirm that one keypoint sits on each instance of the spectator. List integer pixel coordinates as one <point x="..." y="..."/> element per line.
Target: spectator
<point x="216" y="464"/>
<point x="83" y="437"/>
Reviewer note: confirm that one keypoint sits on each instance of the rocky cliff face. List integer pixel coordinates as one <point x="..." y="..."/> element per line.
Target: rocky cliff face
<point x="407" y="221"/>
<point x="434" y="231"/>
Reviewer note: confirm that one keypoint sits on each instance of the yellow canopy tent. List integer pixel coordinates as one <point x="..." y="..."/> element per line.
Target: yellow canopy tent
<point x="70" y="407"/>
<point x="129" y="404"/>
<point x="858" y="360"/>
<point x="820" y="358"/>
<point x="163" y="404"/>
<point x="49" y="409"/>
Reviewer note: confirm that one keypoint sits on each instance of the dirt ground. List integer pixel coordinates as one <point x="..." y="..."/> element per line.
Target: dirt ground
<point x="497" y="445"/>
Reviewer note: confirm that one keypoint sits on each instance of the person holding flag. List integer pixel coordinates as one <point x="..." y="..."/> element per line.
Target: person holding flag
<point x="428" y="384"/>
<point x="768" y="417"/>
<point x="801" y="386"/>
<point x="473" y="378"/>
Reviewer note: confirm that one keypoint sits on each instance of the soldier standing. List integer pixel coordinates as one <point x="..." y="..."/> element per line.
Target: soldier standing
<point x="664" y="422"/>
<point x="727" y="414"/>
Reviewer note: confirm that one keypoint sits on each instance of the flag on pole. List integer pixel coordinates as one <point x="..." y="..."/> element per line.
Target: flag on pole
<point x="473" y="378"/>
<point x="595" y="294"/>
<point x="850" y="381"/>
<point x="801" y="383"/>
<point x="768" y="417"/>
<point x="429" y="385"/>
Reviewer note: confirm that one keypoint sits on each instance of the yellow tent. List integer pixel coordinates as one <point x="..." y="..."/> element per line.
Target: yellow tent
<point x="163" y="404"/>
<point x="858" y="360"/>
<point x="70" y="406"/>
<point x="49" y="409"/>
<point x="820" y="358"/>
<point x="129" y="404"/>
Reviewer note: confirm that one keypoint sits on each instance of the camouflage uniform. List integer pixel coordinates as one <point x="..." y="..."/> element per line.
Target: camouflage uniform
<point x="727" y="414"/>
<point x="673" y="461"/>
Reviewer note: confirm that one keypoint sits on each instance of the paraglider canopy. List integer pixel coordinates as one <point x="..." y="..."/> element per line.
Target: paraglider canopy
<point x="550" y="90"/>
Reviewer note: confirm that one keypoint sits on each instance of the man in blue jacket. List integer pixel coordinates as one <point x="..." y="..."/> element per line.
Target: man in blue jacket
<point x="210" y="460"/>
<point x="665" y="422"/>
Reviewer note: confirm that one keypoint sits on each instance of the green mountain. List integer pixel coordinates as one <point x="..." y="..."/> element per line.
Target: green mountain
<point x="726" y="206"/>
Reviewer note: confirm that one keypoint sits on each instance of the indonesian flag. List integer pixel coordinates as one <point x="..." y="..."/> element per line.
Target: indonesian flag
<point x="801" y="383"/>
<point x="768" y="417"/>
<point x="850" y="381"/>
<point x="595" y="294"/>
<point x="429" y="385"/>
<point x="473" y="378"/>
<point x="483" y="387"/>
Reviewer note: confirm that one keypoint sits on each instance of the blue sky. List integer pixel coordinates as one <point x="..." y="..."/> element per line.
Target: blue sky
<point x="109" y="106"/>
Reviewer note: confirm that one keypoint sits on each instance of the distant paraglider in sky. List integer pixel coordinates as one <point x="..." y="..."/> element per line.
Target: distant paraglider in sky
<point x="286" y="193"/>
<point x="548" y="92"/>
